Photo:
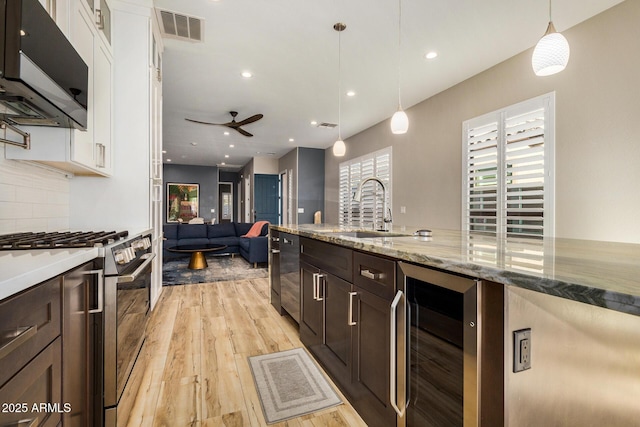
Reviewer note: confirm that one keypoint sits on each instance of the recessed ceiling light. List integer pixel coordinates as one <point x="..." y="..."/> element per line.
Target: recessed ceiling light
<point x="431" y="55"/>
<point x="164" y="151"/>
<point x="168" y="160"/>
<point x="313" y="123"/>
<point x="226" y="133"/>
<point x="231" y="145"/>
<point x="351" y="93"/>
<point x="226" y="156"/>
<point x="194" y="143"/>
<point x="223" y="163"/>
<point x="247" y="74"/>
<point x="291" y="139"/>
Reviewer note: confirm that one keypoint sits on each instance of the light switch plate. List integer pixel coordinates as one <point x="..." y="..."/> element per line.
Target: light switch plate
<point x="521" y="350"/>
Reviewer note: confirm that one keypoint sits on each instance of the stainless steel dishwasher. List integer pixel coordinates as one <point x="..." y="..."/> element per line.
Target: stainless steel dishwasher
<point x="290" y="274"/>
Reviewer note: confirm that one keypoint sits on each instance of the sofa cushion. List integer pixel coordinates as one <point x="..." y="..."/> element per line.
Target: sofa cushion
<point x="229" y="241"/>
<point x="170" y="231"/>
<point x="243" y="228"/>
<point x="194" y="241"/>
<point x="192" y="231"/>
<point x="225" y="229"/>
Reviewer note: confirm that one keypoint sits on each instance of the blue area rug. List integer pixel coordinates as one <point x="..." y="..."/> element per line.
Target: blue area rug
<point x="221" y="268"/>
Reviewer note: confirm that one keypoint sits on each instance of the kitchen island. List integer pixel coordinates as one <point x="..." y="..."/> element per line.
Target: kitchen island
<point x="605" y="274"/>
<point x="580" y="301"/>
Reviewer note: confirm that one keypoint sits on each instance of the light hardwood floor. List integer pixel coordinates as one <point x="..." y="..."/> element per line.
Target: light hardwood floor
<point x="194" y="369"/>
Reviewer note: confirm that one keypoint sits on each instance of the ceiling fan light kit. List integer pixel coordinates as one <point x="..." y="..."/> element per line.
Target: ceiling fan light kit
<point x="551" y="54"/>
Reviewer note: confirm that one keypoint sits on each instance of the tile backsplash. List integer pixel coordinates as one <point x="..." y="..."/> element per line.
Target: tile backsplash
<point x="32" y="198"/>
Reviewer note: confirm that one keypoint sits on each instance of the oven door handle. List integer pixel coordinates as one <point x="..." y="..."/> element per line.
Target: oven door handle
<point x="127" y="278"/>
<point x="393" y="366"/>
<point x="100" y="290"/>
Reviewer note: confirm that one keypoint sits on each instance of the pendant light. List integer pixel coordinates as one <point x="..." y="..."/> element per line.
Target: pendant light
<point x="551" y="54"/>
<point x="339" y="149"/>
<point x="399" y="120"/>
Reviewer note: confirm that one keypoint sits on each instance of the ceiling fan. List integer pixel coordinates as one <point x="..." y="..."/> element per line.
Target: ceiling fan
<point x="233" y="124"/>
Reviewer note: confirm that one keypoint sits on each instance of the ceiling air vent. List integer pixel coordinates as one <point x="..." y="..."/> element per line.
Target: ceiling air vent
<point x="182" y="27"/>
<point x="327" y="125"/>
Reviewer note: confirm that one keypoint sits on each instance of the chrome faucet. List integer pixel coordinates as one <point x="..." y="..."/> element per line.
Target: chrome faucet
<point x="358" y="195"/>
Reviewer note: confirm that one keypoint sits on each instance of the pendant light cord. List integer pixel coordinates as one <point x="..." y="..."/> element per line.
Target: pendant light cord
<point x="339" y="84"/>
<point x="399" y="50"/>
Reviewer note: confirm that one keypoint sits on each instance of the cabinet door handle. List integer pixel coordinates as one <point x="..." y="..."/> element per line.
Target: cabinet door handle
<point x="320" y="279"/>
<point x="100" y="289"/>
<point x="371" y="275"/>
<point x="351" y="322"/>
<point x="315" y="286"/>
<point x="275" y="251"/>
<point x="23" y="335"/>
<point x="392" y="357"/>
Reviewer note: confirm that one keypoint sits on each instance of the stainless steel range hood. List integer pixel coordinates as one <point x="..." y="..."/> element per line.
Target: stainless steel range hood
<point x="43" y="80"/>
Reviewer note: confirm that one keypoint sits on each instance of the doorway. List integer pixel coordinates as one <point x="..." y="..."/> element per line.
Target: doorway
<point x="284" y="198"/>
<point x="225" y="202"/>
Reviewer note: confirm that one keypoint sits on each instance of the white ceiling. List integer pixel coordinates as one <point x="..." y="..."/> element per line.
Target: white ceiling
<point x="292" y="50"/>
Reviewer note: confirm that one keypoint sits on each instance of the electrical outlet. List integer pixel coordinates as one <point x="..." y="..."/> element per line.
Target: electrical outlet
<point x="521" y="350"/>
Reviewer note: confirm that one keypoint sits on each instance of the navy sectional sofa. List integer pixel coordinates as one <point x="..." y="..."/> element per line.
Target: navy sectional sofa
<point x="254" y="249"/>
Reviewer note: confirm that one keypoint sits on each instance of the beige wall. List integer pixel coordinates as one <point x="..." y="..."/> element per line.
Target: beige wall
<point x="597" y="144"/>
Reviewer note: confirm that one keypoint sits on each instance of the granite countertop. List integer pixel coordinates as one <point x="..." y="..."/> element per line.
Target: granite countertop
<point x="605" y="274"/>
<point x="22" y="269"/>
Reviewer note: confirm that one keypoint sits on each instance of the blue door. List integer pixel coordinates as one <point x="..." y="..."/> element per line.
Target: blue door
<point x="266" y="198"/>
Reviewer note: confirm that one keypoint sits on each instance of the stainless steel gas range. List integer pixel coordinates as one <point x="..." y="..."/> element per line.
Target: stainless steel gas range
<point x="109" y="330"/>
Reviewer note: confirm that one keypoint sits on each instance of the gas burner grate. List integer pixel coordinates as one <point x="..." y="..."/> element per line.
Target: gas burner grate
<point x="59" y="240"/>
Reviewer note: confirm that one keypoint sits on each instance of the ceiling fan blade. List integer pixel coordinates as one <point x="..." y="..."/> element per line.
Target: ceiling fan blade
<point x="243" y="132"/>
<point x="251" y="119"/>
<point x="206" y="123"/>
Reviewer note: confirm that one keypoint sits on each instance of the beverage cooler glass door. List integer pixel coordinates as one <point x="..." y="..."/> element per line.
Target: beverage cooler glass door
<point x="441" y="349"/>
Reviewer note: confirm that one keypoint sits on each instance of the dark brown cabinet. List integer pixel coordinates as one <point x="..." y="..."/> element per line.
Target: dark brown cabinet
<point x="347" y="325"/>
<point x="311" y="306"/>
<point x="81" y="373"/>
<point x="370" y="354"/>
<point x="30" y="324"/>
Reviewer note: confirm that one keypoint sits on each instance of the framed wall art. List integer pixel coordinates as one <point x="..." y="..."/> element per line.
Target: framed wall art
<point x="183" y="202"/>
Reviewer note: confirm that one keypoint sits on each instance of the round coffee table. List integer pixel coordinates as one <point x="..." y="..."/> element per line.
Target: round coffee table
<point x="198" y="261"/>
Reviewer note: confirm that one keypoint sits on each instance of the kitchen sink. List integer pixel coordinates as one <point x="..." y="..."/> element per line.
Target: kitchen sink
<point x="369" y="234"/>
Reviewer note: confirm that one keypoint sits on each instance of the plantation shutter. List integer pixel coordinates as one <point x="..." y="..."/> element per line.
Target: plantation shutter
<point x="482" y="174"/>
<point x="369" y="210"/>
<point x="508" y="165"/>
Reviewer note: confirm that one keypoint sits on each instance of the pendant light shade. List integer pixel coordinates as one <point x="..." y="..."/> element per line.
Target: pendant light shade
<point x="399" y="122"/>
<point x="551" y="54"/>
<point x="339" y="149"/>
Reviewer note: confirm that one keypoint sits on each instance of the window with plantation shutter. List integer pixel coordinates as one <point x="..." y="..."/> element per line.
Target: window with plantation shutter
<point x="508" y="166"/>
<point x="369" y="210"/>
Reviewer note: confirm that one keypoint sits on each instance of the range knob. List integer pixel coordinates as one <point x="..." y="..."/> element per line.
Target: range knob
<point x="119" y="257"/>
